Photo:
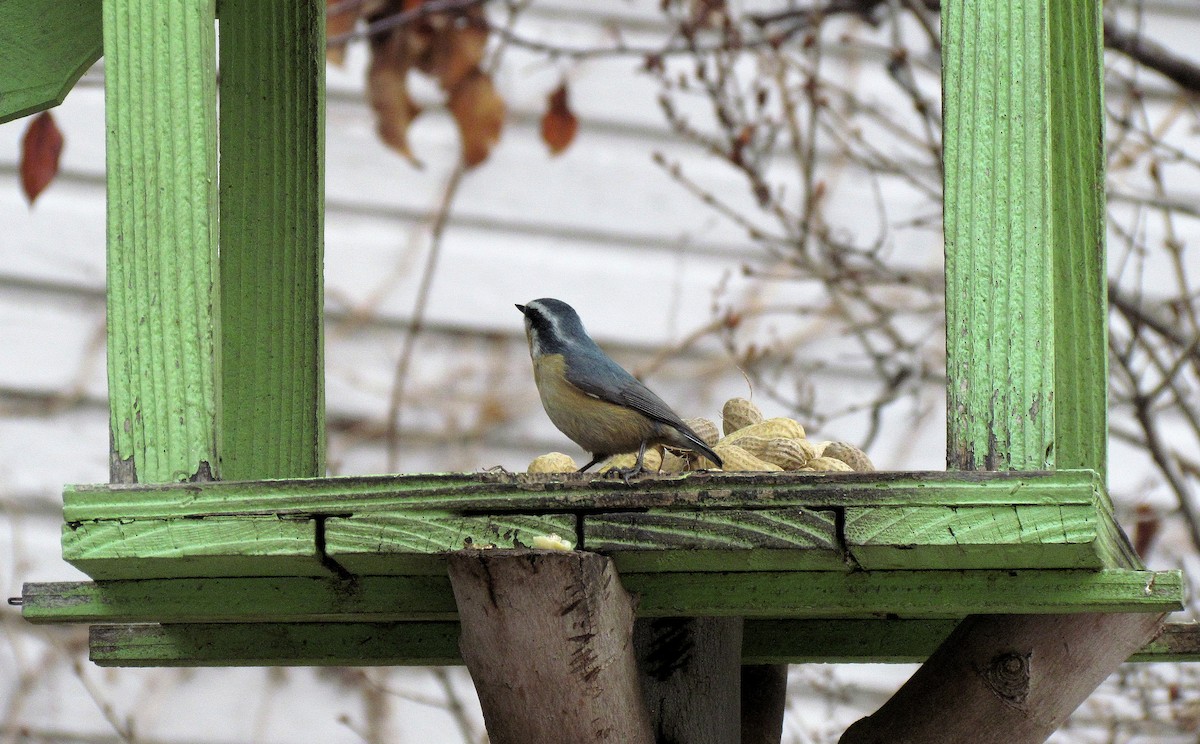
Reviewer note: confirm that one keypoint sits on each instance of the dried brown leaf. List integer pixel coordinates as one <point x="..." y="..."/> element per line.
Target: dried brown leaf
<point x="559" y="123"/>
<point x="479" y="112"/>
<point x="40" y="150"/>
<point x="339" y="23"/>
<point x="387" y="86"/>
<point x="453" y="46"/>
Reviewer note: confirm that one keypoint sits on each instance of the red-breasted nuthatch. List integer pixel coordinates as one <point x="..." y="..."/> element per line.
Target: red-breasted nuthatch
<point x="590" y="398"/>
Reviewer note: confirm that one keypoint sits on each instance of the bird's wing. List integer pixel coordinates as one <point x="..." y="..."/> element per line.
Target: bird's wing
<point x="623" y="389"/>
<point x="613" y="384"/>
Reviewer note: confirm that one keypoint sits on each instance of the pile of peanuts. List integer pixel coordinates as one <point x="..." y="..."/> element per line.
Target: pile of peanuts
<point x="751" y="443"/>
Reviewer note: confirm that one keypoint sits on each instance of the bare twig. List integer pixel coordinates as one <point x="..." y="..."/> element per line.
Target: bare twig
<point x="420" y="305"/>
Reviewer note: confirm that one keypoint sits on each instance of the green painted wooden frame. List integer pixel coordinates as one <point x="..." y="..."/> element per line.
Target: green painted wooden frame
<point x="215" y="372"/>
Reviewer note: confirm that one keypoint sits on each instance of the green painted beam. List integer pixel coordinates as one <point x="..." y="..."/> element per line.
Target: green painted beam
<point x="408" y="543"/>
<point x="674" y="538"/>
<point x="903" y="641"/>
<point x="904" y="594"/>
<point x="272" y="130"/>
<point x="45" y="46"/>
<point x="160" y="117"/>
<point x="436" y="643"/>
<point x="796" y="594"/>
<point x="215" y="546"/>
<point x="276" y="644"/>
<point x="703" y="522"/>
<point x="498" y="493"/>
<point x="707" y="522"/>
<point x="795" y="538"/>
<point x="1065" y="535"/>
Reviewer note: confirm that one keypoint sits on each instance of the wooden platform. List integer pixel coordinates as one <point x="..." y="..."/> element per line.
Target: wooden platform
<point x="847" y="566"/>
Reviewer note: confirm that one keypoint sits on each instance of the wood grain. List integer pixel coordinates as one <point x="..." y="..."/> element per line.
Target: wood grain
<point x="548" y="638"/>
<point x="496" y="493"/>
<point x="1009" y="680"/>
<point x="399" y="543"/>
<point x="272" y="201"/>
<point x="160" y="117"/>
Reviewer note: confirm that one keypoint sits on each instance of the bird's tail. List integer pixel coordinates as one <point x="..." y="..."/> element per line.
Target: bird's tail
<point x="692" y="441"/>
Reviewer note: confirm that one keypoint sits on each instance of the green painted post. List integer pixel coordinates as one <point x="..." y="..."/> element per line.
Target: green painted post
<point x="160" y="118"/>
<point x="999" y="240"/>
<point x="1026" y="383"/>
<point x="1024" y="224"/>
<point x="1077" y="226"/>
<point x="272" y="207"/>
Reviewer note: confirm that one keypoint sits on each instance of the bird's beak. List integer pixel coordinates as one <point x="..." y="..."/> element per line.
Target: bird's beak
<point x="521" y="308"/>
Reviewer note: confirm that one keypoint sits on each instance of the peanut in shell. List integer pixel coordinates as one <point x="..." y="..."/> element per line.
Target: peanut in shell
<point x="773" y="428"/>
<point x="738" y="413"/>
<point x="673" y="463"/>
<point x="735" y="459"/>
<point x="829" y="465"/>
<point x="552" y="462"/>
<point x="849" y="454"/>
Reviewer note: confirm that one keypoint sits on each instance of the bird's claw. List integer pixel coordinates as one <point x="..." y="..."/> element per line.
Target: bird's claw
<point x="626" y="473"/>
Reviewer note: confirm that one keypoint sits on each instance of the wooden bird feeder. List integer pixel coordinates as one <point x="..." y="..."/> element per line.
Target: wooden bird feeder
<point x="219" y="543"/>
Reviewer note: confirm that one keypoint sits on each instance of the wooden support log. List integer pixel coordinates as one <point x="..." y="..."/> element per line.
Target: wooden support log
<point x="764" y="697"/>
<point x="548" y="639"/>
<point x="1005" y="679"/>
<point x="690" y="677"/>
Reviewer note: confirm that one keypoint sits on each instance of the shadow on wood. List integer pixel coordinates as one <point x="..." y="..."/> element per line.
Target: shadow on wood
<point x="690" y="677"/>
<point x="764" y="697"/>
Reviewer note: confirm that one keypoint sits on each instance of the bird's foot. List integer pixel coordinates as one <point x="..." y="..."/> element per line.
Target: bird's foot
<point x="626" y="473"/>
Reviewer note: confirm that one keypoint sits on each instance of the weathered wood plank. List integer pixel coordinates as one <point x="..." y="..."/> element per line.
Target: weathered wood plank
<point x="807" y="594"/>
<point x="717" y="540"/>
<point x="436" y="643"/>
<point x="276" y="644"/>
<point x="174" y="548"/>
<point x="272" y="128"/>
<point x="396" y="543"/>
<point x="904" y="641"/>
<point x="160" y="118"/>
<point x="904" y="593"/>
<point x="999" y="292"/>
<point x="244" y="599"/>
<point x="1078" y="218"/>
<point x="499" y="492"/>
<point x="982" y="537"/>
